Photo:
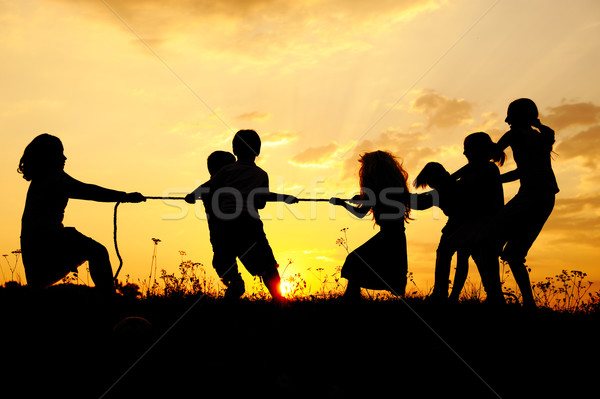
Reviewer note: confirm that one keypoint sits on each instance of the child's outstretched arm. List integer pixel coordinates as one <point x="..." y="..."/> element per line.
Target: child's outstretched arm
<point x="423" y="201"/>
<point x="458" y="174"/>
<point x="197" y="193"/>
<point x="78" y="190"/>
<point x="358" y="211"/>
<point x="276" y="197"/>
<point x="504" y="141"/>
<point x="510" y="176"/>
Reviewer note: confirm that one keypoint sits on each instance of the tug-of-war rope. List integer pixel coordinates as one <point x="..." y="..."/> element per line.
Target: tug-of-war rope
<point x="178" y="198"/>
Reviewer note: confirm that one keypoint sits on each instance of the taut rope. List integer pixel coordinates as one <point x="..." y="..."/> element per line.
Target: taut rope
<point x="175" y="198"/>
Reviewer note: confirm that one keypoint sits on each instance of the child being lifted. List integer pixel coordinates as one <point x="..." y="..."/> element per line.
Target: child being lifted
<point x="232" y="198"/>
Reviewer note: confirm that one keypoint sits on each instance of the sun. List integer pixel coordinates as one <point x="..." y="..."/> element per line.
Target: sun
<point x="286" y="288"/>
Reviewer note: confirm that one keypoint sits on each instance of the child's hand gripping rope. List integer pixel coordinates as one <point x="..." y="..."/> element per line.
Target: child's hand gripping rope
<point x="191" y="199"/>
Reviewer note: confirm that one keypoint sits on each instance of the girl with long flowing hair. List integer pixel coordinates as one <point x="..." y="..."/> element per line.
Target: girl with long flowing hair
<point x="381" y="263"/>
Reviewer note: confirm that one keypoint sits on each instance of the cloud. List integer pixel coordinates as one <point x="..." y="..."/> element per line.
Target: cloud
<point x="575" y="220"/>
<point x="264" y="28"/>
<point x="254" y="116"/>
<point x="278" y="138"/>
<point x="408" y="147"/>
<point x="317" y="157"/>
<point x="442" y="111"/>
<point x="581" y="203"/>
<point x="585" y="145"/>
<point x="569" y="230"/>
<point x="491" y="123"/>
<point x="577" y="114"/>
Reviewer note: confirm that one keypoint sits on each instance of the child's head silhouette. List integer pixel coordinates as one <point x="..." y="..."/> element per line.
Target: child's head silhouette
<point x="380" y="170"/>
<point x="479" y="147"/>
<point x="246" y="144"/>
<point x="217" y="160"/>
<point x="522" y="112"/>
<point x="44" y="155"/>
<point x="432" y="175"/>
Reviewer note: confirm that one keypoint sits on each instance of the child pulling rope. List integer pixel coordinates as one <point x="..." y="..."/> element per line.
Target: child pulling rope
<point x="180" y="198"/>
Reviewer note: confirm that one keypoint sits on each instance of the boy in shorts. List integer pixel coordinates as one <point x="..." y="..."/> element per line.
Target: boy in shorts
<point x="234" y="195"/>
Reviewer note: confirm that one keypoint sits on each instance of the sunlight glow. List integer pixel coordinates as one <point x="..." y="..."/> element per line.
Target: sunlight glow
<point x="323" y="83"/>
<point x="286" y="289"/>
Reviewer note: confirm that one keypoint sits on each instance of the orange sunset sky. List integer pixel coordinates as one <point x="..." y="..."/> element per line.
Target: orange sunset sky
<point x="142" y="91"/>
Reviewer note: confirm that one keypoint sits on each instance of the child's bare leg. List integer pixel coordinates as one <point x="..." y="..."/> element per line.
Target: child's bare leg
<point x="352" y="290"/>
<point x="519" y="271"/>
<point x="488" y="265"/>
<point x="235" y="285"/>
<point x="100" y="268"/>
<point x="226" y="266"/>
<point x="273" y="282"/>
<point x="443" y="262"/>
<point x="515" y="256"/>
<point x="460" y="276"/>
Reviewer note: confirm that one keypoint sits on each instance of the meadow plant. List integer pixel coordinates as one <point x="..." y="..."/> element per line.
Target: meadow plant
<point x="128" y="290"/>
<point x="294" y="286"/>
<point x="592" y="305"/>
<point x="259" y="290"/>
<point x="472" y="292"/>
<point x="330" y="284"/>
<point x="343" y="241"/>
<point x="413" y="290"/>
<point x="511" y="295"/>
<point x="71" y="278"/>
<point x="566" y="292"/>
<point x="188" y="283"/>
<point x="569" y="291"/>
<point x="12" y="268"/>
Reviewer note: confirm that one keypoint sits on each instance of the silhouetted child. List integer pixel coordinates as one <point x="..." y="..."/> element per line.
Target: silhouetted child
<point x="381" y="263"/>
<point x="217" y="232"/>
<point x="237" y="192"/>
<point x="437" y="177"/>
<point x="521" y="220"/>
<point x="481" y="198"/>
<point x="50" y="250"/>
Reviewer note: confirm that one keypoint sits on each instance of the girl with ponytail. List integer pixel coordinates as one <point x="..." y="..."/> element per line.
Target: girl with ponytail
<point x="480" y="198"/>
<point x="435" y="176"/>
<point x="521" y="220"/>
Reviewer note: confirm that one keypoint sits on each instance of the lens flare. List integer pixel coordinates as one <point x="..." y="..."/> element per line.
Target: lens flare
<point x="286" y="288"/>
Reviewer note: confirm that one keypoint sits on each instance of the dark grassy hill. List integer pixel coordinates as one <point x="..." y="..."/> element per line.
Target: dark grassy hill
<point x="62" y="342"/>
